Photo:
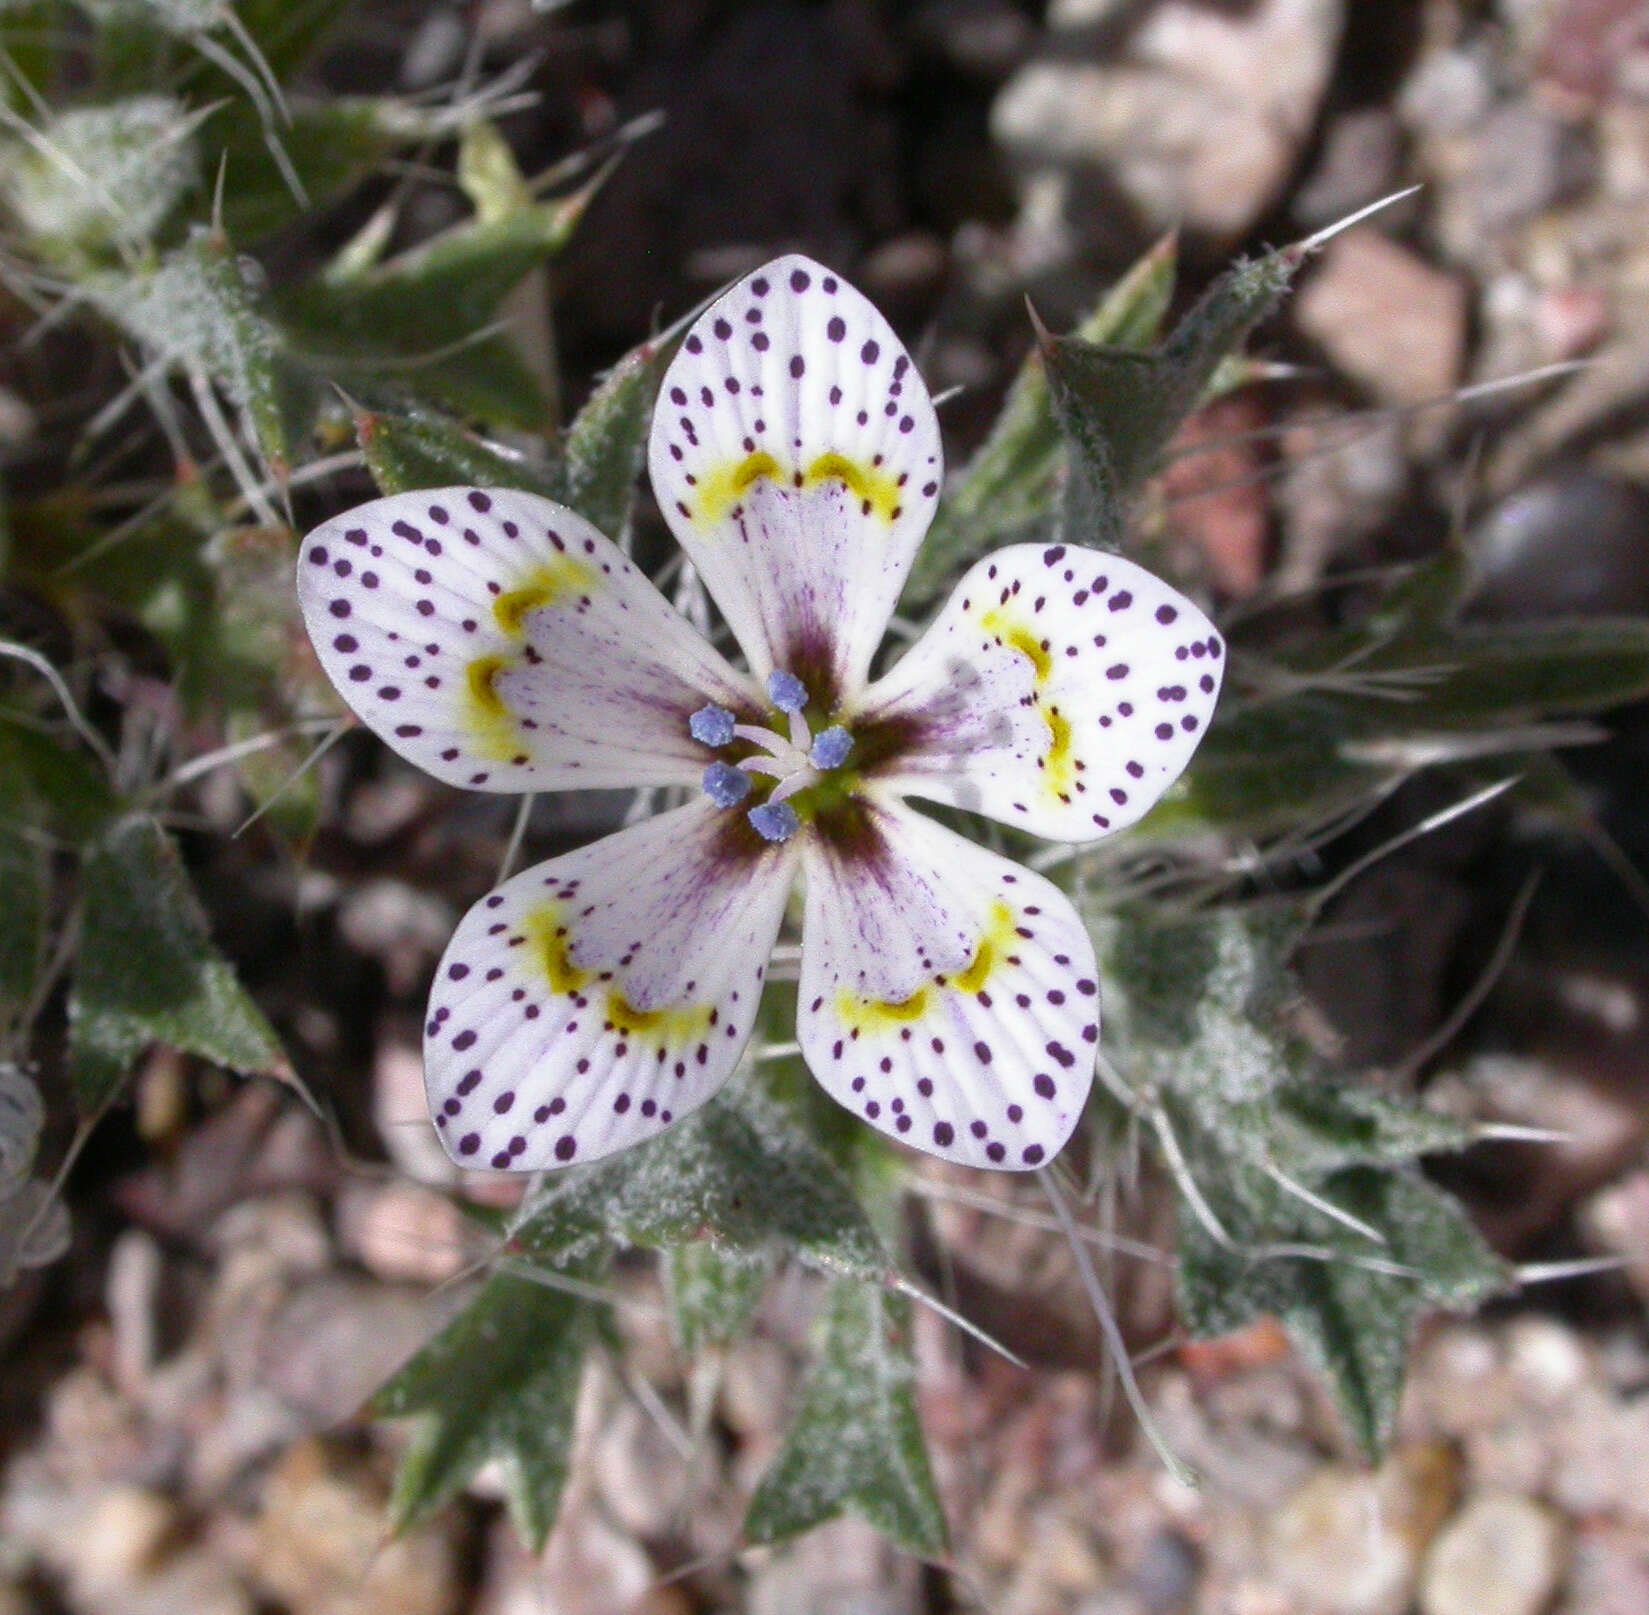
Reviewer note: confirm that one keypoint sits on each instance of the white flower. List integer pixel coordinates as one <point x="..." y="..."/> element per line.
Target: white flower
<point x="947" y="995"/>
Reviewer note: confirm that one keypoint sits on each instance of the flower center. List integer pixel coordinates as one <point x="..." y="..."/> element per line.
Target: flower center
<point x="787" y="761"/>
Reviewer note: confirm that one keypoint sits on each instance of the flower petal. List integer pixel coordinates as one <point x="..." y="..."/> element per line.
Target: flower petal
<point x="498" y="641"/>
<point x="1060" y="690"/>
<point x="796" y="456"/>
<point x="591" y="1001"/>
<point x="947" y="996"/>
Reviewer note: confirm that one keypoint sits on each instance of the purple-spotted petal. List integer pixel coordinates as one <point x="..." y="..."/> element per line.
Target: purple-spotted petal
<point x="795" y="454"/>
<point x="948" y="996"/>
<point x="498" y="641"/>
<point x="591" y="1001"/>
<point x="1060" y="690"/>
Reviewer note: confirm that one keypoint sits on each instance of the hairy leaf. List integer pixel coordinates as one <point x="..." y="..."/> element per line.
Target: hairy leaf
<point x="606" y="445"/>
<point x="148" y="972"/>
<point x="1007" y="490"/>
<point x="714" y="1291"/>
<point x="426" y="450"/>
<point x="739" y="1172"/>
<point x="499" y="1383"/>
<point x="856" y="1445"/>
<point x="1351" y="1305"/>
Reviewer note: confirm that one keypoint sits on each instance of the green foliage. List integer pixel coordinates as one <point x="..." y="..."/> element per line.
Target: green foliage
<point x="1269" y="1137"/>
<point x="428" y="450"/>
<point x="131" y="209"/>
<point x="498" y="1384"/>
<point x="148" y="972"/>
<point x="606" y="445"/>
<point x="857" y="1442"/>
<point x="740" y="1173"/>
<point x="1118" y="407"/>
<point x="1007" y="492"/>
<point x="714" y="1293"/>
<point x="100" y="179"/>
<point x="1349" y="1301"/>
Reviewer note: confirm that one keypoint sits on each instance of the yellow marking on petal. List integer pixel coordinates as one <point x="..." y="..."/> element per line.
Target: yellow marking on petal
<point x="997" y="939"/>
<point x="547" y="936"/>
<point x="490" y="721"/>
<point x="721" y="487"/>
<point x="671" y="1027"/>
<point x="1057" y="770"/>
<point x="873" y="486"/>
<point x="1019" y="638"/>
<point x="545" y="585"/>
<point x="879" y="1014"/>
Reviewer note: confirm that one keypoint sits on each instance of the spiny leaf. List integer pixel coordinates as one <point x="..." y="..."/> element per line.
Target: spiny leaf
<point x="714" y="1292"/>
<point x="857" y="1442"/>
<point x="331" y="146"/>
<point x="1118" y="408"/>
<point x="499" y="1383"/>
<point x="420" y="323"/>
<point x="1349" y="1311"/>
<point x="739" y="1172"/>
<point x="148" y="972"/>
<point x="1199" y="1003"/>
<point x="606" y="444"/>
<point x="64" y="787"/>
<point x="426" y="450"/>
<point x="1008" y="488"/>
<point x="99" y="179"/>
<point x="196" y="312"/>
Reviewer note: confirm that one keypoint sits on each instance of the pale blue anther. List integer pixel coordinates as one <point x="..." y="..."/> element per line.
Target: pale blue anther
<point x="774" y="821"/>
<point x="726" y="785"/>
<point x="786" y="692"/>
<point x="711" y="726"/>
<point x="830" y="747"/>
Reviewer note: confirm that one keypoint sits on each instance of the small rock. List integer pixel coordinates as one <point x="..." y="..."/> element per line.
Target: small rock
<point x="1389" y="320"/>
<point x="130" y="1292"/>
<point x="402" y="1112"/>
<point x="1617" y="1219"/>
<point x="1350" y="1543"/>
<point x="640" y="1475"/>
<point x="1546" y="1360"/>
<point x="1602" y="1457"/>
<point x="1567" y="545"/>
<point x="1500" y="1555"/>
<point x="399" y="1231"/>
<point x="1166" y="1574"/>
<point x="1449" y="92"/>
<point x="1525" y="162"/>
<point x="846" y="1568"/>
<point x="1345" y="477"/>
<point x="1608" y="1573"/>
<point x="403" y="928"/>
<point x="1215" y="491"/>
<point x="323" y="1545"/>
<point x="1199" y="124"/>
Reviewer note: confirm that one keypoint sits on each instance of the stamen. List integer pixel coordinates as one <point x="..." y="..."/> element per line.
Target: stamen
<point x="830" y="747"/>
<point x="786" y="691"/>
<point x="712" y="726"/>
<point x="774" y="821"/>
<point x="726" y="785"/>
